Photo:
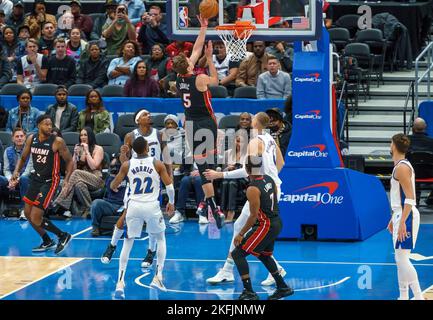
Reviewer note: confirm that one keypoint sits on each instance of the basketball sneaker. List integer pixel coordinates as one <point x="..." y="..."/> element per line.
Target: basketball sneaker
<point x="281" y="293"/>
<point x="177" y="218"/>
<point x="270" y="281"/>
<point x="248" y="295"/>
<point x="202" y="220"/>
<point x="148" y="259"/>
<point x="120" y="290"/>
<point x="219" y="217"/>
<point x="220" y="277"/>
<point x="202" y="209"/>
<point x="157" y="283"/>
<point x="108" y="254"/>
<point x="22" y="216"/>
<point x="45" y="246"/>
<point x="64" y="240"/>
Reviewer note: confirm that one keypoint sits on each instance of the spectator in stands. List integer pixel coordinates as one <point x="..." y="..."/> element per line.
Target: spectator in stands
<point x="136" y="9"/>
<point x="23" y="36"/>
<point x="118" y="30"/>
<point x="12" y="51"/>
<point x="120" y="69"/>
<point x="6" y="6"/>
<point x="174" y="136"/>
<point x="152" y="31"/>
<point x="65" y="24"/>
<point x="280" y="130"/>
<point x="46" y="42"/>
<point x="274" y="83"/>
<point x="2" y="20"/>
<point x="37" y="18"/>
<point x="16" y="18"/>
<point x="231" y="188"/>
<point x="157" y="64"/>
<point x="177" y="47"/>
<point x="5" y="71"/>
<point x="32" y="68"/>
<point x="252" y="67"/>
<point x="10" y="158"/>
<point x="76" y="46"/>
<point x="93" y="70"/>
<point x="283" y="52"/>
<point x="112" y="201"/>
<point x="140" y="84"/>
<point x="329" y="13"/>
<point x="81" y="21"/>
<point x="94" y="116"/>
<point x="87" y="175"/>
<point x="61" y="68"/>
<point x="99" y="22"/>
<point x="63" y="114"/>
<point x="24" y="116"/>
<point x="244" y="122"/>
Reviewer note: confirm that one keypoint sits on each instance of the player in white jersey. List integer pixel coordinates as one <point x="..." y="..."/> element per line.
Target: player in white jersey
<point x="404" y="224"/>
<point x="144" y="174"/>
<point x="143" y="119"/>
<point x="265" y="146"/>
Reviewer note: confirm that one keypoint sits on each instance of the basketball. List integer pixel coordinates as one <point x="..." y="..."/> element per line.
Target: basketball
<point x="208" y="8"/>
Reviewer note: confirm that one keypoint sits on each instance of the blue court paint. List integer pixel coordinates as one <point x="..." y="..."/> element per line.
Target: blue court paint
<point x="316" y="270"/>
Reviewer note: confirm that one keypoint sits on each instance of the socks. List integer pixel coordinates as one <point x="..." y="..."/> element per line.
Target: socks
<point x="404" y="291"/>
<point x="46" y="238"/>
<point x="229" y="265"/>
<point x="152" y="243"/>
<point x="247" y="284"/>
<point x="416" y="290"/>
<point x="279" y="281"/>
<point x="124" y="257"/>
<point x="161" y="252"/>
<point x="49" y="226"/>
<point x="117" y="234"/>
<point x="211" y="203"/>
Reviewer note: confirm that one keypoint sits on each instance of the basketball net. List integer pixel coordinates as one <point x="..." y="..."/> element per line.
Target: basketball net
<point x="235" y="37"/>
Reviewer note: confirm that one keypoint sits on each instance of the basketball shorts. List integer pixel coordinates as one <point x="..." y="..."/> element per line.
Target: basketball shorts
<point x="140" y="212"/>
<point x="412" y="227"/>
<point x="260" y="239"/>
<point x="204" y="140"/>
<point x="40" y="192"/>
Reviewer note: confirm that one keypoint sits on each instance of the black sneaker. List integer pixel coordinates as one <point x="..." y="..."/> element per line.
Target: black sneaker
<point x="45" y="246"/>
<point x="148" y="259"/>
<point x="108" y="254"/>
<point x="248" y="295"/>
<point x="96" y="232"/>
<point x="219" y="217"/>
<point x="281" y="293"/>
<point x="202" y="209"/>
<point x="63" y="243"/>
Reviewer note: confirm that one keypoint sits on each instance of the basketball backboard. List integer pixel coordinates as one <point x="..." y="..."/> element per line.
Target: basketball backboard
<point x="287" y="20"/>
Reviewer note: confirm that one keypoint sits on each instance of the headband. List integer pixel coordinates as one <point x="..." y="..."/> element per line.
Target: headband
<point x="139" y="115"/>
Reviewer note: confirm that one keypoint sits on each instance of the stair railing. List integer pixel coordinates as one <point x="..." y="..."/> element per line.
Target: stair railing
<point x="428" y="53"/>
<point x="410" y="95"/>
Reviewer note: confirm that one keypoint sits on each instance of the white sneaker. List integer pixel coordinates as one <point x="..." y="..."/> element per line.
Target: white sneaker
<point x="22" y="216"/>
<point x="202" y="220"/>
<point x="270" y="281"/>
<point x="120" y="290"/>
<point x="177" y="218"/>
<point x="67" y="214"/>
<point x="221" y="276"/>
<point x="157" y="283"/>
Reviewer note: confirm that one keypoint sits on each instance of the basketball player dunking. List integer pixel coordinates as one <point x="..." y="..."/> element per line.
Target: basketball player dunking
<point x="158" y="150"/>
<point x="404" y="224"/>
<point x="144" y="174"/>
<point x="45" y="149"/>
<point x="264" y="145"/>
<point x="199" y="114"/>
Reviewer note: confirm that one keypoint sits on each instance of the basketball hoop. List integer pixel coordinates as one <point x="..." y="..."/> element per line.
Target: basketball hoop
<point x="235" y="37"/>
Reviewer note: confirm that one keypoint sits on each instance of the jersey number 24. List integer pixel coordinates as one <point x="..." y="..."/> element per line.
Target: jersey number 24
<point x="147" y="188"/>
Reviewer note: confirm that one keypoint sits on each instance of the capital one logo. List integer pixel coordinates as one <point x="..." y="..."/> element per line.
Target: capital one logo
<point x="317" y="194"/>
<point x="309" y="115"/>
<point x="312" y="77"/>
<point x="313" y="151"/>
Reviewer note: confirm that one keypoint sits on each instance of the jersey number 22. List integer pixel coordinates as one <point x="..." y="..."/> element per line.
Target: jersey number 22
<point x="146" y="189"/>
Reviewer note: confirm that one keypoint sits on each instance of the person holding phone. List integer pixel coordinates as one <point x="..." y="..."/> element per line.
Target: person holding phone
<point x="119" y="30"/>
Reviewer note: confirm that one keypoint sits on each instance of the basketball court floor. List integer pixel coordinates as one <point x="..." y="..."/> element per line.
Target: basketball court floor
<point x="316" y="270"/>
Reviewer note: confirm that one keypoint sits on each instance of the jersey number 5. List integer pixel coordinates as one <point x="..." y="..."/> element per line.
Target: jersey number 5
<point x="186" y="97"/>
<point x="148" y="188"/>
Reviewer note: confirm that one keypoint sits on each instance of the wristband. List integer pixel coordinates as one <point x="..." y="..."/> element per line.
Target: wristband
<point x="411" y="202"/>
<point x="170" y="193"/>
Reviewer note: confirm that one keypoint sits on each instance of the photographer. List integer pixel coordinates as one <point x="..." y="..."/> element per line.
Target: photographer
<point x="112" y="202"/>
<point x="153" y="31"/>
<point x="87" y="174"/>
<point x="119" y="30"/>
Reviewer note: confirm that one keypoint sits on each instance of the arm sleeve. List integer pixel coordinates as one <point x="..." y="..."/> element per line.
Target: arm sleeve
<point x="236" y="174"/>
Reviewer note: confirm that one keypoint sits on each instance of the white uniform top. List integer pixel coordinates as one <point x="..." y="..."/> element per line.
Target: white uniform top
<point x="144" y="180"/>
<point x="269" y="157"/>
<point x="153" y="142"/>
<point x="396" y="193"/>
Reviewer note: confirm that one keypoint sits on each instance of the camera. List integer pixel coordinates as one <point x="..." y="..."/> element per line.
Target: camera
<point x="121" y="10"/>
<point x="115" y="168"/>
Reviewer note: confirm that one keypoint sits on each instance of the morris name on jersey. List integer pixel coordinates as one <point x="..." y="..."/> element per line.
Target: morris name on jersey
<point x="142" y="169"/>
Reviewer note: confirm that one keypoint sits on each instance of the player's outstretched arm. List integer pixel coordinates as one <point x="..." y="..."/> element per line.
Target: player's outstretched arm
<point x="253" y="196"/>
<point x="280" y="159"/>
<point x="199" y="42"/>
<point x="168" y="182"/>
<point x="212" y="69"/>
<point x="124" y="168"/>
